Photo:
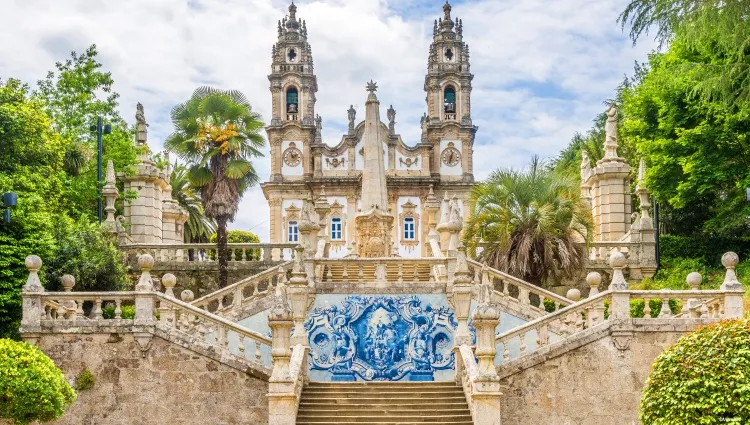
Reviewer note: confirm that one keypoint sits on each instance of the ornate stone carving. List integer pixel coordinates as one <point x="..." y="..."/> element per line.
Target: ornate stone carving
<point x="337" y="211"/>
<point x="408" y="161"/>
<point x="141" y="126"/>
<point x="335" y="162"/>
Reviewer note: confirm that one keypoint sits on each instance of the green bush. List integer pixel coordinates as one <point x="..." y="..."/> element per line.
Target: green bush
<point x="126" y="312"/>
<point x="240" y="236"/>
<point x="84" y="381"/>
<point x="32" y="388"/>
<point x="702" y="379"/>
<point x="709" y="249"/>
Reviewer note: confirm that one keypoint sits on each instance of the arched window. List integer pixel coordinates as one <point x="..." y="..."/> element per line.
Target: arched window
<point x="336" y="233"/>
<point x="293" y="232"/>
<point x="292" y="55"/>
<point x="449" y="100"/>
<point x="292" y="101"/>
<point x="409" y="233"/>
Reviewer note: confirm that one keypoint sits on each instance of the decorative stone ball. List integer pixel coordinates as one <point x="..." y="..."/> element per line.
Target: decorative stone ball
<point x="187" y="295"/>
<point x="594" y="279"/>
<point x="573" y="294"/>
<point x="169" y="280"/>
<point x="617" y="259"/>
<point x="68" y="282"/>
<point x="728" y="260"/>
<point x="33" y="262"/>
<point x="145" y="262"/>
<point x="694" y="280"/>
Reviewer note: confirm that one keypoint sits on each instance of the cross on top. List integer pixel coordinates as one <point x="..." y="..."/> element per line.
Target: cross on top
<point x="372" y="87"/>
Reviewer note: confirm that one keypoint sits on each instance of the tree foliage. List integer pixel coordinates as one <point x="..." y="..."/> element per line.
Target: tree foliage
<point x="702" y="379"/>
<point x="32" y="388"/>
<point x="530" y="223"/>
<point x="217" y="134"/>
<point x="198" y="227"/>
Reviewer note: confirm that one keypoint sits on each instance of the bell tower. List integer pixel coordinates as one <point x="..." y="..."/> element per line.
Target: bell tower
<point x="293" y="86"/>
<point x="447" y="126"/>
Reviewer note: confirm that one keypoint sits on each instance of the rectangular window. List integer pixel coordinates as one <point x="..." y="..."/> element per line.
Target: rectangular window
<point x="336" y="233"/>
<point x="293" y="232"/>
<point x="409" y="229"/>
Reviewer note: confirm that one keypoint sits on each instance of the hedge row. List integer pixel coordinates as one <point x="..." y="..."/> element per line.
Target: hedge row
<point x="708" y="249"/>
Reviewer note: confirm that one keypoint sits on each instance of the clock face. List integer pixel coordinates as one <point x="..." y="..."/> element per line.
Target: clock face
<point x="292" y="157"/>
<point x="451" y="157"/>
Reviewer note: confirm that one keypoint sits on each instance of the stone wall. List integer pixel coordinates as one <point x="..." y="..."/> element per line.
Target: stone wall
<point x="168" y="385"/>
<point x="591" y="383"/>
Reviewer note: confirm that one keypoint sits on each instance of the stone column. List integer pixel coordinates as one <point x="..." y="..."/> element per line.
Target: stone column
<point x="299" y="295"/>
<point x="620" y="305"/>
<point x="323" y="208"/>
<point x="431" y="207"/>
<point x="282" y="401"/>
<point x="33" y="309"/>
<point x="461" y="299"/>
<point x="597" y="312"/>
<point x="308" y="228"/>
<point x="733" y="306"/>
<point x="486" y="394"/>
<point x="444" y="227"/>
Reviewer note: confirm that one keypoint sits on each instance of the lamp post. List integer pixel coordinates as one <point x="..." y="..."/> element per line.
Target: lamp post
<point x="10" y="200"/>
<point x="100" y="130"/>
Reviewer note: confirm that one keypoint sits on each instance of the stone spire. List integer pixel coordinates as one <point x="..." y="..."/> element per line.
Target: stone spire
<point x="374" y="192"/>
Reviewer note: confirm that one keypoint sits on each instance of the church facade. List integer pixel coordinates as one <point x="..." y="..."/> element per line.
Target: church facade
<point x="403" y="182"/>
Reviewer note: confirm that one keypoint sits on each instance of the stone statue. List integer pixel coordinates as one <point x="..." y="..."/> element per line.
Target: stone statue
<point x="391" y="113"/>
<point x="585" y="166"/>
<point x="141" y="126"/>
<point x="318" y="123"/>
<point x="610" y="128"/>
<point x="352" y="115"/>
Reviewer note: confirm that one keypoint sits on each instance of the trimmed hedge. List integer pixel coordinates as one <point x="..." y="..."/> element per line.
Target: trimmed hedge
<point x="708" y="249"/>
<point x="32" y="388"/>
<point x="702" y="379"/>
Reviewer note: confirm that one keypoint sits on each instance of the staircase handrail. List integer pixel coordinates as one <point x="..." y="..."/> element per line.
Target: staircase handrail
<point x="237" y="289"/>
<point x="534" y="289"/>
<point x="467" y="373"/>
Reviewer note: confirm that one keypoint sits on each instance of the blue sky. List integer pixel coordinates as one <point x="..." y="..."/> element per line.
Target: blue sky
<point x="543" y="68"/>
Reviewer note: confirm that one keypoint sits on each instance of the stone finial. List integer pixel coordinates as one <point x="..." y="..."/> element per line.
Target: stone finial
<point x="299" y="276"/>
<point x="694" y="280"/>
<point x="280" y="276"/>
<point x="618" y="261"/>
<point x="169" y="281"/>
<point x="729" y="260"/>
<point x="145" y="264"/>
<point x="33" y="284"/>
<point x="593" y="279"/>
<point x="462" y="274"/>
<point x="372" y="86"/>
<point x="187" y="296"/>
<point x="68" y="282"/>
<point x="573" y="294"/>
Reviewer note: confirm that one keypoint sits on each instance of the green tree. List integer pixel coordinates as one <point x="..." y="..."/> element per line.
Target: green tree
<point x="74" y="95"/>
<point x="198" y="227"/>
<point x="530" y="222"/>
<point x="702" y="379"/>
<point x="32" y="388"/>
<point x="31" y="160"/>
<point x="217" y="134"/>
<point x="695" y="148"/>
<point x="707" y="27"/>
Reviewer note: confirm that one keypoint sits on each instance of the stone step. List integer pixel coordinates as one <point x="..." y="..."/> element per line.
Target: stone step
<point x="418" y="410"/>
<point x="420" y="392"/>
<point x="467" y="421"/>
<point x="360" y="419"/>
<point x="378" y="398"/>
<point x="382" y="384"/>
<point x="385" y="404"/>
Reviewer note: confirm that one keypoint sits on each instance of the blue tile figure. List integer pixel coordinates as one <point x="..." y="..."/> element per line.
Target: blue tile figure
<point x="381" y="338"/>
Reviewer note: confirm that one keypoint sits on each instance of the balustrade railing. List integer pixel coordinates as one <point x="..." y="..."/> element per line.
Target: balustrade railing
<point x="523" y="292"/>
<point x="244" y="292"/>
<point x="594" y="311"/>
<point x="599" y="252"/>
<point x="391" y="270"/>
<point x="207" y="252"/>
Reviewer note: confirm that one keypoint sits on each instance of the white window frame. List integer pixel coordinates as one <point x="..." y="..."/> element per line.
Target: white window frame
<point x="410" y="229"/>
<point x="292" y="232"/>
<point x="337" y="229"/>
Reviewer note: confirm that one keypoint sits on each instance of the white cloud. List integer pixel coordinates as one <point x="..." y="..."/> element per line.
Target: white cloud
<point x="542" y="68"/>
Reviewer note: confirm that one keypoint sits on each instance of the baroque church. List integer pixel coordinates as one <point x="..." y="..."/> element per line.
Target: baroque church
<point x="375" y="194"/>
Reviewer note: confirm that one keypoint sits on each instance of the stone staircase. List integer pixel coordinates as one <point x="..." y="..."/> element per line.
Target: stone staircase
<point x="383" y="403"/>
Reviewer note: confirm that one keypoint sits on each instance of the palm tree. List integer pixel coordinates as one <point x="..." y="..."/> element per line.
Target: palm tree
<point x="530" y="223"/>
<point x="216" y="134"/>
<point x="198" y="227"/>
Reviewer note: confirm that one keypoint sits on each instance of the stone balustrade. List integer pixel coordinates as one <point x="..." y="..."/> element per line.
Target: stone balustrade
<point x="641" y="257"/>
<point x="46" y="312"/>
<point x="238" y="295"/>
<point x="518" y="290"/>
<point x="382" y="270"/>
<point x="619" y="303"/>
<point x="166" y="255"/>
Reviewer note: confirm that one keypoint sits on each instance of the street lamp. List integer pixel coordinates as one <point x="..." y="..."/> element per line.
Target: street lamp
<point x="10" y="200"/>
<point x="100" y="130"/>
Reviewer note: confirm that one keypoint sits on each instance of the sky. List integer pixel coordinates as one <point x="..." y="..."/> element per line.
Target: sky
<point x="543" y="68"/>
